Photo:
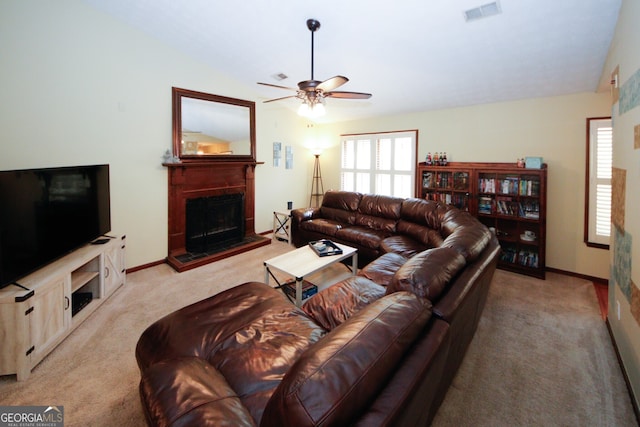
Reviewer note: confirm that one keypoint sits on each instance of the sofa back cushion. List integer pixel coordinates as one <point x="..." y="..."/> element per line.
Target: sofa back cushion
<point x="379" y="212"/>
<point x="340" y="206"/>
<point x="335" y="379"/>
<point x="464" y="233"/>
<point x="423" y="212"/>
<point x="429" y="237"/>
<point x="428" y="273"/>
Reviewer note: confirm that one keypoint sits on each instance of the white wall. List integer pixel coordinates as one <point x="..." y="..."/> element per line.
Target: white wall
<point x="554" y="128"/>
<point x="79" y="87"/>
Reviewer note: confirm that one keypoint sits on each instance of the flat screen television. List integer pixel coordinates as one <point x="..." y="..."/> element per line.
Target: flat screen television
<point x="47" y="213"/>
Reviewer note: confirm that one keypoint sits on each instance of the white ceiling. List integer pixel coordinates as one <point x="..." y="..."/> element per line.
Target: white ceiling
<point x="412" y="55"/>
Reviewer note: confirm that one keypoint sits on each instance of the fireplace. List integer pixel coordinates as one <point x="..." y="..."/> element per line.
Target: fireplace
<point x="211" y="212"/>
<point x="214" y="223"/>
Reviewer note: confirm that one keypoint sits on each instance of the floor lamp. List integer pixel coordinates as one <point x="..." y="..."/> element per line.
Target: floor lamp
<point x="317" y="189"/>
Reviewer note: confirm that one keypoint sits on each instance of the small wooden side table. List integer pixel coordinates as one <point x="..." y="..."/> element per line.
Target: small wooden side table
<point x="282" y="226"/>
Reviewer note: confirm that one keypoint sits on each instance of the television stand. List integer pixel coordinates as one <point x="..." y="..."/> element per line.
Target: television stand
<point x="100" y="241"/>
<point x="57" y="299"/>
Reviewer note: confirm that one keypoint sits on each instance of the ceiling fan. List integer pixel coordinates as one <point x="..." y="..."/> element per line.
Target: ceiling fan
<point x="313" y="92"/>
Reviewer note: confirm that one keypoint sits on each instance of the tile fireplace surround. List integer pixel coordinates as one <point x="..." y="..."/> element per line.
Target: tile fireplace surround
<point x="191" y="180"/>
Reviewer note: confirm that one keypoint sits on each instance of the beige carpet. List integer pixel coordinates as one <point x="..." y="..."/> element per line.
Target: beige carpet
<point x="541" y="356"/>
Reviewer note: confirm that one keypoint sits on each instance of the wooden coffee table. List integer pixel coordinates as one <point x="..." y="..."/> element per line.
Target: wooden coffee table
<point x="303" y="262"/>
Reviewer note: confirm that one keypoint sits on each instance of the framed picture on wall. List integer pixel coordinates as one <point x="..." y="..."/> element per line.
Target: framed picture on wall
<point x="277" y="153"/>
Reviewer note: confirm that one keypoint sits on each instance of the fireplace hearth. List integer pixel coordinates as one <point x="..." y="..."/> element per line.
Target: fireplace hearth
<point x="211" y="212"/>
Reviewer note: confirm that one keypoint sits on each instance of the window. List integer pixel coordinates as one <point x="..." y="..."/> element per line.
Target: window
<point x="381" y="163"/>
<point x="597" y="227"/>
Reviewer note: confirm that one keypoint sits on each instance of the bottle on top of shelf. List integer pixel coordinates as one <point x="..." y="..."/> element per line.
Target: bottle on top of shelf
<point x="428" y="159"/>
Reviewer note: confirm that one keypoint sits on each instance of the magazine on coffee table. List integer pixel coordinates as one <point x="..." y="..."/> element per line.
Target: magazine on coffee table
<point x="325" y="248"/>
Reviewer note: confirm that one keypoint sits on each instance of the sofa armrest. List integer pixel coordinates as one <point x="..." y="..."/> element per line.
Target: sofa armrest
<point x="189" y="391"/>
<point x="304" y="214"/>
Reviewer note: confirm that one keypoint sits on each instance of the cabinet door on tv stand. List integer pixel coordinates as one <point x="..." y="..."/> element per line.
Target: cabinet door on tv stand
<point x="114" y="267"/>
<point x="48" y="321"/>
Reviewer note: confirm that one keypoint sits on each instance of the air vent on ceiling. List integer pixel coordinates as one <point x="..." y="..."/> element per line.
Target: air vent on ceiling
<point x="280" y="76"/>
<point x="484" y="11"/>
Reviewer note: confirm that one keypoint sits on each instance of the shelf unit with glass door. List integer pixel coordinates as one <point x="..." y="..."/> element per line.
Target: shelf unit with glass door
<point x="508" y="199"/>
<point x="447" y="184"/>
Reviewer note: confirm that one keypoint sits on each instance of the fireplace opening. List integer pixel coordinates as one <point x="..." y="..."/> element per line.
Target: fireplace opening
<point x="214" y="223"/>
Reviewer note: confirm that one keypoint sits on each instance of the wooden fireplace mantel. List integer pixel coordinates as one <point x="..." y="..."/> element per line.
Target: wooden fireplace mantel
<point x="189" y="180"/>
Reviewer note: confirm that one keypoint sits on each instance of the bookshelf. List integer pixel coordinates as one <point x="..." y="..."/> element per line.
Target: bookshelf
<point x="510" y="200"/>
<point x="445" y="184"/>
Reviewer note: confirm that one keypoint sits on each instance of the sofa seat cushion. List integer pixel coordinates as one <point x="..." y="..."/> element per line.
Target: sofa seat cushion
<point x="334" y="305"/>
<point x="321" y="225"/>
<point x="382" y="269"/>
<point x="251" y="334"/>
<point x="402" y="245"/>
<point x="189" y="391"/>
<point x="362" y="236"/>
<point x="428" y="273"/>
<point x="337" y="377"/>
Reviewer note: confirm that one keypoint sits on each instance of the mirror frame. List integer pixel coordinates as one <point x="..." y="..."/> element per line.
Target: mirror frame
<point x="178" y="94"/>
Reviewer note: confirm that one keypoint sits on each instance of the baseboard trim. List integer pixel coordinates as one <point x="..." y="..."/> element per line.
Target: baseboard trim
<point x="598" y="280"/>
<point x="634" y="402"/>
<point x="145" y="266"/>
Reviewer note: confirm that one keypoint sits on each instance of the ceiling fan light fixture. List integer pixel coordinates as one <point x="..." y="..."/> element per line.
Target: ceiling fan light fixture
<point x="311" y="110"/>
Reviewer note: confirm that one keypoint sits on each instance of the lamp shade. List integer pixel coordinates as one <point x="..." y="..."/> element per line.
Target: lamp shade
<point x="313" y="111"/>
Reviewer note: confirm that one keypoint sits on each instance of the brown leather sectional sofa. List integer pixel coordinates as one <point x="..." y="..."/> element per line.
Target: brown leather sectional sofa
<point x="378" y="349"/>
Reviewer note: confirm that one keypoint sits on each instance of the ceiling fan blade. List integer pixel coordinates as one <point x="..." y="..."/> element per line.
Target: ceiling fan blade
<point x="348" y="95"/>
<point x="332" y="83"/>
<point x="278" y="86"/>
<point x="279" y="99"/>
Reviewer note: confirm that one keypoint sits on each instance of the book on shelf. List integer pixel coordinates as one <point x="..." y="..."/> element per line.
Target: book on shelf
<point x="529" y="187"/>
<point x="443" y="179"/>
<point x="528" y="259"/>
<point x="487" y="185"/>
<point x="505" y="206"/>
<point x="509" y="254"/>
<point x="485" y="205"/>
<point x="427" y="179"/>
<point x="529" y="209"/>
<point x="509" y="185"/>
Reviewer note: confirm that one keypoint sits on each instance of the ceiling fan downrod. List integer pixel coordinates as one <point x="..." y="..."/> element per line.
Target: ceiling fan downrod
<point x="313" y="26"/>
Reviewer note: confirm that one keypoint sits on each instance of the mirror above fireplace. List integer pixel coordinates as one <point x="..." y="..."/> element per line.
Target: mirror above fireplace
<point x="211" y="127"/>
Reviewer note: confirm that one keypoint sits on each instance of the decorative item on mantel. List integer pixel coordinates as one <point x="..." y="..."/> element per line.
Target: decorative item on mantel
<point x="520" y="163"/>
<point x="169" y="158"/>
